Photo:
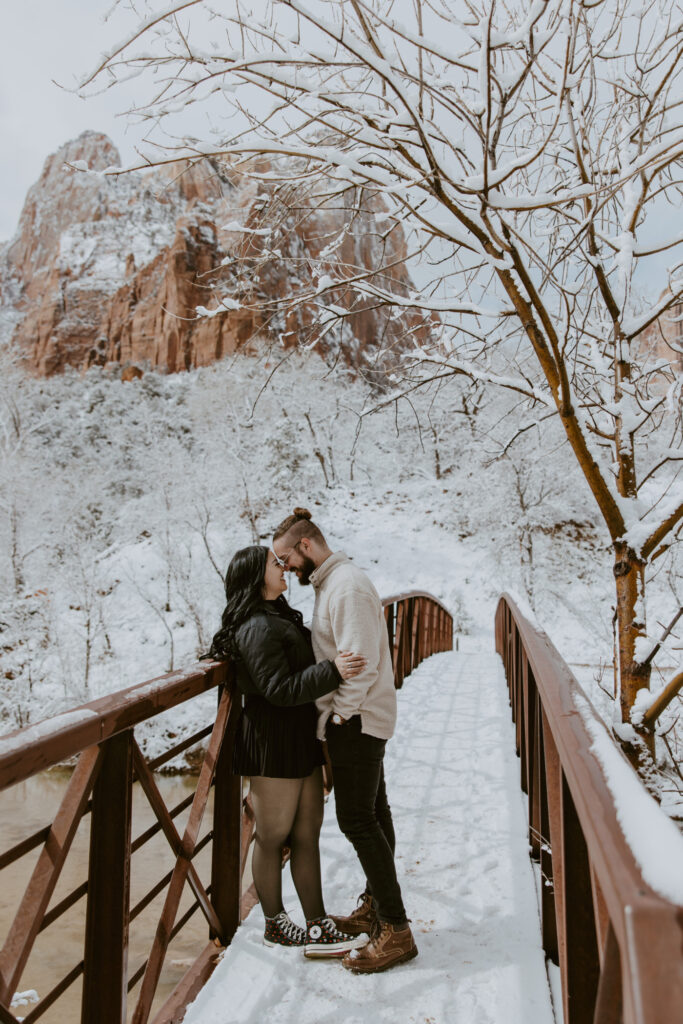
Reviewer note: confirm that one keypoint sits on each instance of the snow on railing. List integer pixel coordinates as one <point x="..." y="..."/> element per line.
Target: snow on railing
<point x="611" y="904"/>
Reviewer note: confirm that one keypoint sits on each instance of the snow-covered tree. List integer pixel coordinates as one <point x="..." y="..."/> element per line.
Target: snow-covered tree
<point x="530" y="150"/>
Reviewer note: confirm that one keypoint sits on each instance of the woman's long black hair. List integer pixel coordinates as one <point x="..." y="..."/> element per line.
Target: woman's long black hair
<point x="244" y="596"/>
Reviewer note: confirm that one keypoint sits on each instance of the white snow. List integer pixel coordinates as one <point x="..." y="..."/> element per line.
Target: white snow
<point x="24" y="998"/>
<point x="643" y="702"/>
<point x="235" y="225"/>
<point x="324" y="282"/>
<point x="656" y="842"/>
<point x="463" y="863"/>
<point x="224" y="304"/>
<point x="154" y="594"/>
<point x="41" y="730"/>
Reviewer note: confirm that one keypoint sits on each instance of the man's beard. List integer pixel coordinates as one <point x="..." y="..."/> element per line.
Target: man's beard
<point x="305" y="570"/>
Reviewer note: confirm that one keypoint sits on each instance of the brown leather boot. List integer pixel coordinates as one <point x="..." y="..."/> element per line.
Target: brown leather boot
<point x="388" y="947"/>
<point x="361" y="921"/>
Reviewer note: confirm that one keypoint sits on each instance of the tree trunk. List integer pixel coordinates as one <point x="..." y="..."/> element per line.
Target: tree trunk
<point x="17" y="569"/>
<point x="88" y="648"/>
<point x="629" y="569"/>
<point x="526" y="551"/>
<point x="629" y="578"/>
<point x="437" y="454"/>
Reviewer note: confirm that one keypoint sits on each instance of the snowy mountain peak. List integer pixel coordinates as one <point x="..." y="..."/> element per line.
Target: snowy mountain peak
<point x="59" y="197"/>
<point x="169" y="268"/>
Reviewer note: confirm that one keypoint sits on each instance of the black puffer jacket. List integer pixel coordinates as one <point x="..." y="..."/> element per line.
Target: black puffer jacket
<point x="277" y="660"/>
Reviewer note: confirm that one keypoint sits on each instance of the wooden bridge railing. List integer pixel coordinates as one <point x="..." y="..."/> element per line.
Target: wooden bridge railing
<point x="619" y="944"/>
<point x="419" y="626"/>
<point x="101" y="736"/>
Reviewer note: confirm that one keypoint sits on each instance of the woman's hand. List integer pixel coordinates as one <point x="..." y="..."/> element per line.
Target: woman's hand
<point x="349" y="664"/>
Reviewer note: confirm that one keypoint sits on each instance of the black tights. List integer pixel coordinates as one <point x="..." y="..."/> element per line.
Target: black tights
<point x="288" y="809"/>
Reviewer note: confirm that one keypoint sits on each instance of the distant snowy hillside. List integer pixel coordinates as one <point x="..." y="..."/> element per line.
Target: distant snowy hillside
<point x="122" y="504"/>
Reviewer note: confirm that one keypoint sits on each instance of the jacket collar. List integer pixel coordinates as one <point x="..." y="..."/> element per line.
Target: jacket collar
<point x="327" y="567"/>
<point x="270" y="608"/>
<point x="282" y="611"/>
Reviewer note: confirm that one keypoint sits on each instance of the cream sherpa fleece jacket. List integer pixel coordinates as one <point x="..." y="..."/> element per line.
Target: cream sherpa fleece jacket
<point x="348" y="616"/>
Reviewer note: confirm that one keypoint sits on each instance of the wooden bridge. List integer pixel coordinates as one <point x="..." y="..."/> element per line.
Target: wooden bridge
<point x="618" y="943"/>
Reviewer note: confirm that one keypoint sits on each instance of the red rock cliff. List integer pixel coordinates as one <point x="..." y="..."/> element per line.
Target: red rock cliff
<point x="112" y="269"/>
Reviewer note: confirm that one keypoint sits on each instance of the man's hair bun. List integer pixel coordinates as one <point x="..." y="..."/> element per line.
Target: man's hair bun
<point x="298" y="525"/>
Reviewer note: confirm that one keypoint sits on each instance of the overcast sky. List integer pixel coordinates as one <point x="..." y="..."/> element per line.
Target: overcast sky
<point x="57" y="41"/>
<point x="46" y="41"/>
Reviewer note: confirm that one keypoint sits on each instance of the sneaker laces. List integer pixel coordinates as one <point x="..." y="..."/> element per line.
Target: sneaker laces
<point x="289" y="928"/>
<point x="332" y="930"/>
<point x="327" y="925"/>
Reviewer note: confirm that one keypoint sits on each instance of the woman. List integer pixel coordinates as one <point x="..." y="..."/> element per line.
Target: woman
<point x="276" y="743"/>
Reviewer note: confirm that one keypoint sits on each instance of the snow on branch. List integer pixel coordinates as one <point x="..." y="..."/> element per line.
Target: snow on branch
<point x="530" y="152"/>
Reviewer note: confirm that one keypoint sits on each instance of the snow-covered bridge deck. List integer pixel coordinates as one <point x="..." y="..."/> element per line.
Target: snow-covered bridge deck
<point x="468" y="883"/>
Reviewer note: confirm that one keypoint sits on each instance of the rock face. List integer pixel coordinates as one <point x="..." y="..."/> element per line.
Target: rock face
<point x="113" y="268"/>
<point x="664" y="337"/>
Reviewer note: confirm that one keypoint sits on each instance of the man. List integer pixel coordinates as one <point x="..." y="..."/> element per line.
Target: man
<point x="357" y="719"/>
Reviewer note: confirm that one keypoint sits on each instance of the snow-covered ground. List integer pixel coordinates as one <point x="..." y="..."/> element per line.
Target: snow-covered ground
<point x="122" y="503"/>
<point x="463" y="862"/>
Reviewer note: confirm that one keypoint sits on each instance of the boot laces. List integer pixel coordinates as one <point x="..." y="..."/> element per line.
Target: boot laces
<point x="365" y="901"/>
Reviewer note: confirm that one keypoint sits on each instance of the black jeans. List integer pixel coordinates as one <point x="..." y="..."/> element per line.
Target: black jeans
<point x="363" y="812"/>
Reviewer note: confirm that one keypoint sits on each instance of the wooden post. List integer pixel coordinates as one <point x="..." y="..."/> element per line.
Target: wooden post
<point x="425" y="628"/>
<point x="226" y="867"/>
<point x="106" y="929"/>
<point x="412" y="639"/>
<point x="398" y="645"/>
<point x="408" y="638"/>
<point x="415" y="657"/>
<point x="512" y="679"/>
<point x="390" y="615"/>
<point x="533" y="752"/>
<point x="609" y="1001"/>
<point x="582" y="966"/>
<point x="523" y="686"/>
<point x="517" y="689"/>
<point x="551" y="859"/>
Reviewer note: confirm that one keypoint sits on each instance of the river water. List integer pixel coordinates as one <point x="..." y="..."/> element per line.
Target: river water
<point x="31" y="805"/>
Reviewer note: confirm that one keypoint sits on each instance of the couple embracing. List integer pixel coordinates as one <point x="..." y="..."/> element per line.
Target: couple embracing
<point x="336" y="685"/>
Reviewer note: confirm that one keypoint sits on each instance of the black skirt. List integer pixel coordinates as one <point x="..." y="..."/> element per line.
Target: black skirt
<point x="278" y="742"/>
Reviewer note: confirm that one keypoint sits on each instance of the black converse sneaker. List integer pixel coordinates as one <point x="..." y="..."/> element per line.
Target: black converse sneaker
<point x="282" y="931"/>
<point x="323" y="938"/>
